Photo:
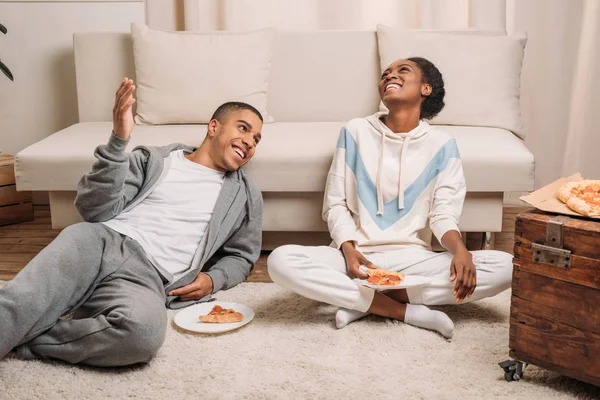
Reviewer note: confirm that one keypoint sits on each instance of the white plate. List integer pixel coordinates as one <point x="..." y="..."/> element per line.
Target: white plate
<point x="188" y="317"/>
<point x="408" y="281"/>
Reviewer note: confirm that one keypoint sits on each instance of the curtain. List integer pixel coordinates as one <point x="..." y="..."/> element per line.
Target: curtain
<point x="240" y="15"/>
<point x="583" y="133"/>
<point x="560" y="91"/>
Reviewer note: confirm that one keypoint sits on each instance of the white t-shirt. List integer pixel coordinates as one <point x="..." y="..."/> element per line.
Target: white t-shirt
<point x="170" y="222"/>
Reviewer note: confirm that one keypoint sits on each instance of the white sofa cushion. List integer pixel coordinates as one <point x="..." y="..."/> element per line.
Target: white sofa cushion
<point x="314" y="76"/>
<point x="323" y="76"/>
<point x="182" y="77"/>
<point x="482" y="73"/>
<point x="291" y="157"/>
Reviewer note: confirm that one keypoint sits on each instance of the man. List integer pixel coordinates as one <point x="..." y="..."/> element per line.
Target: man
<point x="393" y="182"/>
<point x="170" y="224"/>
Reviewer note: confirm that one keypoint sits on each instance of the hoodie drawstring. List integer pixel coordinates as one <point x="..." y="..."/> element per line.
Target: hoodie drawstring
<point x="400" y="180"/>
<point x="380" y="127"/>
<point x="378" y="184"/>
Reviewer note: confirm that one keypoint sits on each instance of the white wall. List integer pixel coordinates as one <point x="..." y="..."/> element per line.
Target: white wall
<point x="39" y="51"/>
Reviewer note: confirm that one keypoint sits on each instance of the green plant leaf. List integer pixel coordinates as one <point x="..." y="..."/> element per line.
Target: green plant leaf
<point x="6" y="71"/>
<point x="3" y="29"/>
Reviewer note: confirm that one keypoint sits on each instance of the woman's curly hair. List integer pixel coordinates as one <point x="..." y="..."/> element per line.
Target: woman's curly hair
<point x="434" y="103"/>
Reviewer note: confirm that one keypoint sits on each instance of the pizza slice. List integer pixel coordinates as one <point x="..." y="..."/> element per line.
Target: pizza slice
<point x="583" y="197"/>
<point x="221" y="315"/>
<point x="381" y="277"/>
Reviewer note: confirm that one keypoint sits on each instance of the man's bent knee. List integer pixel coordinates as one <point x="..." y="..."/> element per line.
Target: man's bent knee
<point x="78" y="230"/>
<point x="143" y="336"/>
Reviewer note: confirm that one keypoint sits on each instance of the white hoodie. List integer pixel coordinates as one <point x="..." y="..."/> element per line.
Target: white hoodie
<point x="390" y="191"/>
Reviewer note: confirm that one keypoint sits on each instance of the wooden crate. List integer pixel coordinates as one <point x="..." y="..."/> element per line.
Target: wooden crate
<point x="555" y="304"/>
<point x="14" y="206"/>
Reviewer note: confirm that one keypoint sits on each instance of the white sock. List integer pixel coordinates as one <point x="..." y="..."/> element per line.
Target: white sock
<point x="421" y="316"/>
<point x="344" y="316"/>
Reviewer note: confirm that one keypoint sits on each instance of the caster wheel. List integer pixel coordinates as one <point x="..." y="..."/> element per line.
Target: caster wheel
<point x="511" y="376"/>
<point x="513" y="370"/>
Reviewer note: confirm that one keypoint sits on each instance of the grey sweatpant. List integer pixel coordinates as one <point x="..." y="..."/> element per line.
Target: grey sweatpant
<point x="116" y="294"/>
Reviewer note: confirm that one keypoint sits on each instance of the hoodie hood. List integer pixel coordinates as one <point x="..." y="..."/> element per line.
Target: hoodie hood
<point x="421" y="130"/>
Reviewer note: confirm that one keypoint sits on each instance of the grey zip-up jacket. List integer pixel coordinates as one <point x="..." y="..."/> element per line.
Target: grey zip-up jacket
<point x="231" y="245"/>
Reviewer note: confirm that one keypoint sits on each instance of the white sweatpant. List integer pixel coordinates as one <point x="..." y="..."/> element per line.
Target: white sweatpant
<point x="319" y="273"/>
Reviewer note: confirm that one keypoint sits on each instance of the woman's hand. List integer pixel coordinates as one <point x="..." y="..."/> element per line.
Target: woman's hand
<point x="354" y="259"/>
<point x="464" y="275"/>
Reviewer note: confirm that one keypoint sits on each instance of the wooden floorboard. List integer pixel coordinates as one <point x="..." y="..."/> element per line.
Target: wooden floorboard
<point x="19" y="243"/>
<point x="33" y="240"/>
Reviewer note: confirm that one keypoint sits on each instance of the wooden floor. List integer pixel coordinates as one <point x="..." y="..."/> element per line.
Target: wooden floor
<point x="21" y="242"/>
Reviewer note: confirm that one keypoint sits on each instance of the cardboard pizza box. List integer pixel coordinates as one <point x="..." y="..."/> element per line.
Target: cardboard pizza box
<point x="545" y="198"/>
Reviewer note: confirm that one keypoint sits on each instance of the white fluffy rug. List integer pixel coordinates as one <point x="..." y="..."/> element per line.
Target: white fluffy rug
<point x="292" y="351"/>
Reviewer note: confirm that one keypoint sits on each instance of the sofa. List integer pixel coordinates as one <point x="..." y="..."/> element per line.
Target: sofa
<point x="317" y="81"/>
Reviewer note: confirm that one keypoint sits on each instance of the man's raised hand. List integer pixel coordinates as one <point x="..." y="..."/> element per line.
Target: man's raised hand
<point x="122" y="111"/>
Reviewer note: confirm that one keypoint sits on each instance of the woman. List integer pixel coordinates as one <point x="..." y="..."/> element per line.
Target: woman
<point x="393" y="182"/>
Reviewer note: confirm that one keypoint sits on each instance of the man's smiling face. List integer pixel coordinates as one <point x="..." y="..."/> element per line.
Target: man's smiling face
<point x="235" y="139"/>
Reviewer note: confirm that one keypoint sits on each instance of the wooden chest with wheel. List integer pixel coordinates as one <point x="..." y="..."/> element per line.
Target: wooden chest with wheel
<point x="555" y="304"/>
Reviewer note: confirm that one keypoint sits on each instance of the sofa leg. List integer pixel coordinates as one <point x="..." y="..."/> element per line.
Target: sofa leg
<point x="488" y="241"/>
<point x="62" y="211"/>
